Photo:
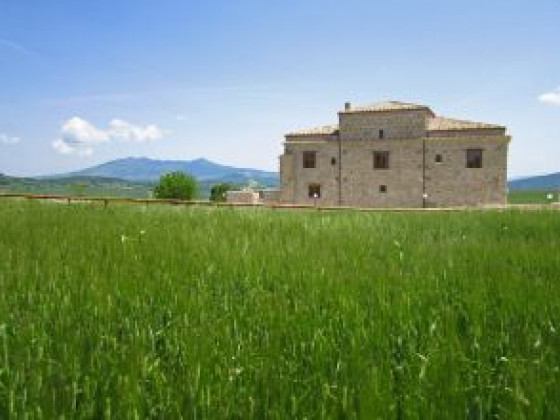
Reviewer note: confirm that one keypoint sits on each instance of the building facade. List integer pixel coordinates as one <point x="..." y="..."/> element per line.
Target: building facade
<point x="395" y="154"/>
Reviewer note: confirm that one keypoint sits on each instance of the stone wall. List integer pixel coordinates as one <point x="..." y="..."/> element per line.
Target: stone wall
<point x="361" y="183"/>
<point x="467" y="133"/>
<point x="451" y="183"/>
<point x="270" y="196"/>
<point x="287" y="177"/>
<point x="242" y="197"/>
<point x="395" y="125"/>
<point x="295" y="179"/>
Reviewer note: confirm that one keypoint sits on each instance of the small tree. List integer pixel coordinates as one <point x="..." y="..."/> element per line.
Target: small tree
<point x="177" y="185"/>
<point x="218" y="192"/>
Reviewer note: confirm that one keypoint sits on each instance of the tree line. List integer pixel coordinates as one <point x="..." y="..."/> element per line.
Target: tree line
<point x="183" y="186"/>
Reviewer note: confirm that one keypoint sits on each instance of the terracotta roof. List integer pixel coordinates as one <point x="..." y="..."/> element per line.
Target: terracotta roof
<point x="451" y="124"/>
<point x="387" y="106"/>
<point x="434" y="123"/>
<point x="314" y="131"/>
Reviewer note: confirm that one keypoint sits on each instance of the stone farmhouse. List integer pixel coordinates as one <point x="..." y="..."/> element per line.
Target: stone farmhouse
<point x="395" y="154"/>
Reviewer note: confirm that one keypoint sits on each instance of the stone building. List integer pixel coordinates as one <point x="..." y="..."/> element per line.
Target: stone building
<point x="395" y="154"/>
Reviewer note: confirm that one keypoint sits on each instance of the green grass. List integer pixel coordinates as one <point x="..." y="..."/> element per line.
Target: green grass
<point x="135" y="312"/>
<point x="532" y="196"/>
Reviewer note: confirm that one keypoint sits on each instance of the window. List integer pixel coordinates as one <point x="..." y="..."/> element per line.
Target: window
<point x="380" y="160"/>
<point x="439" y="158"/>
<point x="383" y="188"/>
<point x="474" y="158"/>
<point x="314" y="191"/>
<point x="309" y="159"/>
<point x="381" y="134"/>
<point x="333" y="161"/>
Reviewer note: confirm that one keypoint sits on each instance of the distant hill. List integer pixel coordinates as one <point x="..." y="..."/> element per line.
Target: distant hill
<point x="76" y="185"/>
<point x="541" y="182"/>
<point x="144" y="169"/>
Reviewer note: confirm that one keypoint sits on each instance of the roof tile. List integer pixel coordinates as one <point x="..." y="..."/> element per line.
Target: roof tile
<point x="452" y="124"/>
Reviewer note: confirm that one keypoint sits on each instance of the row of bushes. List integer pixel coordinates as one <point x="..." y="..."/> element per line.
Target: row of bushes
<point x="183" y="186"/>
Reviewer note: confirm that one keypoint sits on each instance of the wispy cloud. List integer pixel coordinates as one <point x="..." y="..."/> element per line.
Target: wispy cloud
<point x="551" y="98"/>
<point x="17" y="48"/>
<point x="6" y="139"/>
<point x="80" y="137"/>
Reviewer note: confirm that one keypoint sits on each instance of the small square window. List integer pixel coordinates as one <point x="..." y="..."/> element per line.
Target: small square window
<point x="309" y="159"/>
<point x="333" y="161"/>
<point x="314" y="191"/>
<point x="474" y="158"/>
<point x="381" y="134"/>
<point x="383" y="188"/>
<point x="439" y="158"/>
<point x="380" y="160"/>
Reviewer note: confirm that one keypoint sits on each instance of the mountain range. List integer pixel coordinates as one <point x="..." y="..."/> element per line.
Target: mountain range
<point x="150" y="170"/>
<point x="540" y="182"/>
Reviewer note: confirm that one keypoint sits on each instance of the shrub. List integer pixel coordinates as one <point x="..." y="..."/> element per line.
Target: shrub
<point x="177" y="185"/>
<point x="218" y="192"/>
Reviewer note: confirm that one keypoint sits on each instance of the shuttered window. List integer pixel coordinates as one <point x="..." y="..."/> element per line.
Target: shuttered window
<point x="309" y="159"/>
<point x="474" y="158"/>
<point x="380" y="160"/>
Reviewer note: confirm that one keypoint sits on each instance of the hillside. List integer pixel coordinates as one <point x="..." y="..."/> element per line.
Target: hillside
<point x="541" y="182"/>
<point x="76" y="185"/>
<point x="144" y="169"/>
<point x="134" y="178"/>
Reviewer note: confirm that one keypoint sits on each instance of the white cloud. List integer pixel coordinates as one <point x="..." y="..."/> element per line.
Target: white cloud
<point x="180" y="117"/>
<point x="78" y="136"/>
<point x="122" y="130"/>
<point x="551" y="98"/>
<point x="78" y="131"/>
<point x="62" y="147"/>
<point x="5" y="139"/>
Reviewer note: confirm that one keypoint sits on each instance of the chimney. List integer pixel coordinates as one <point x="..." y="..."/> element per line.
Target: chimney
<point x="347" y="106"/>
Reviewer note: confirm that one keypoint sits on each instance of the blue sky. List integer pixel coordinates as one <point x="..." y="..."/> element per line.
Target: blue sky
<point x="82" y="82"/>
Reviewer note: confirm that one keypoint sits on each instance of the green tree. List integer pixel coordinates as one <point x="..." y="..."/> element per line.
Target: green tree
<point x="177" y="185"/>
<point x="218" y="191"/>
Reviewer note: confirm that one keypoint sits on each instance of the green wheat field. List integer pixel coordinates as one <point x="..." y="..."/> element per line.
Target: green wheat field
<point x="156" y="311"/>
